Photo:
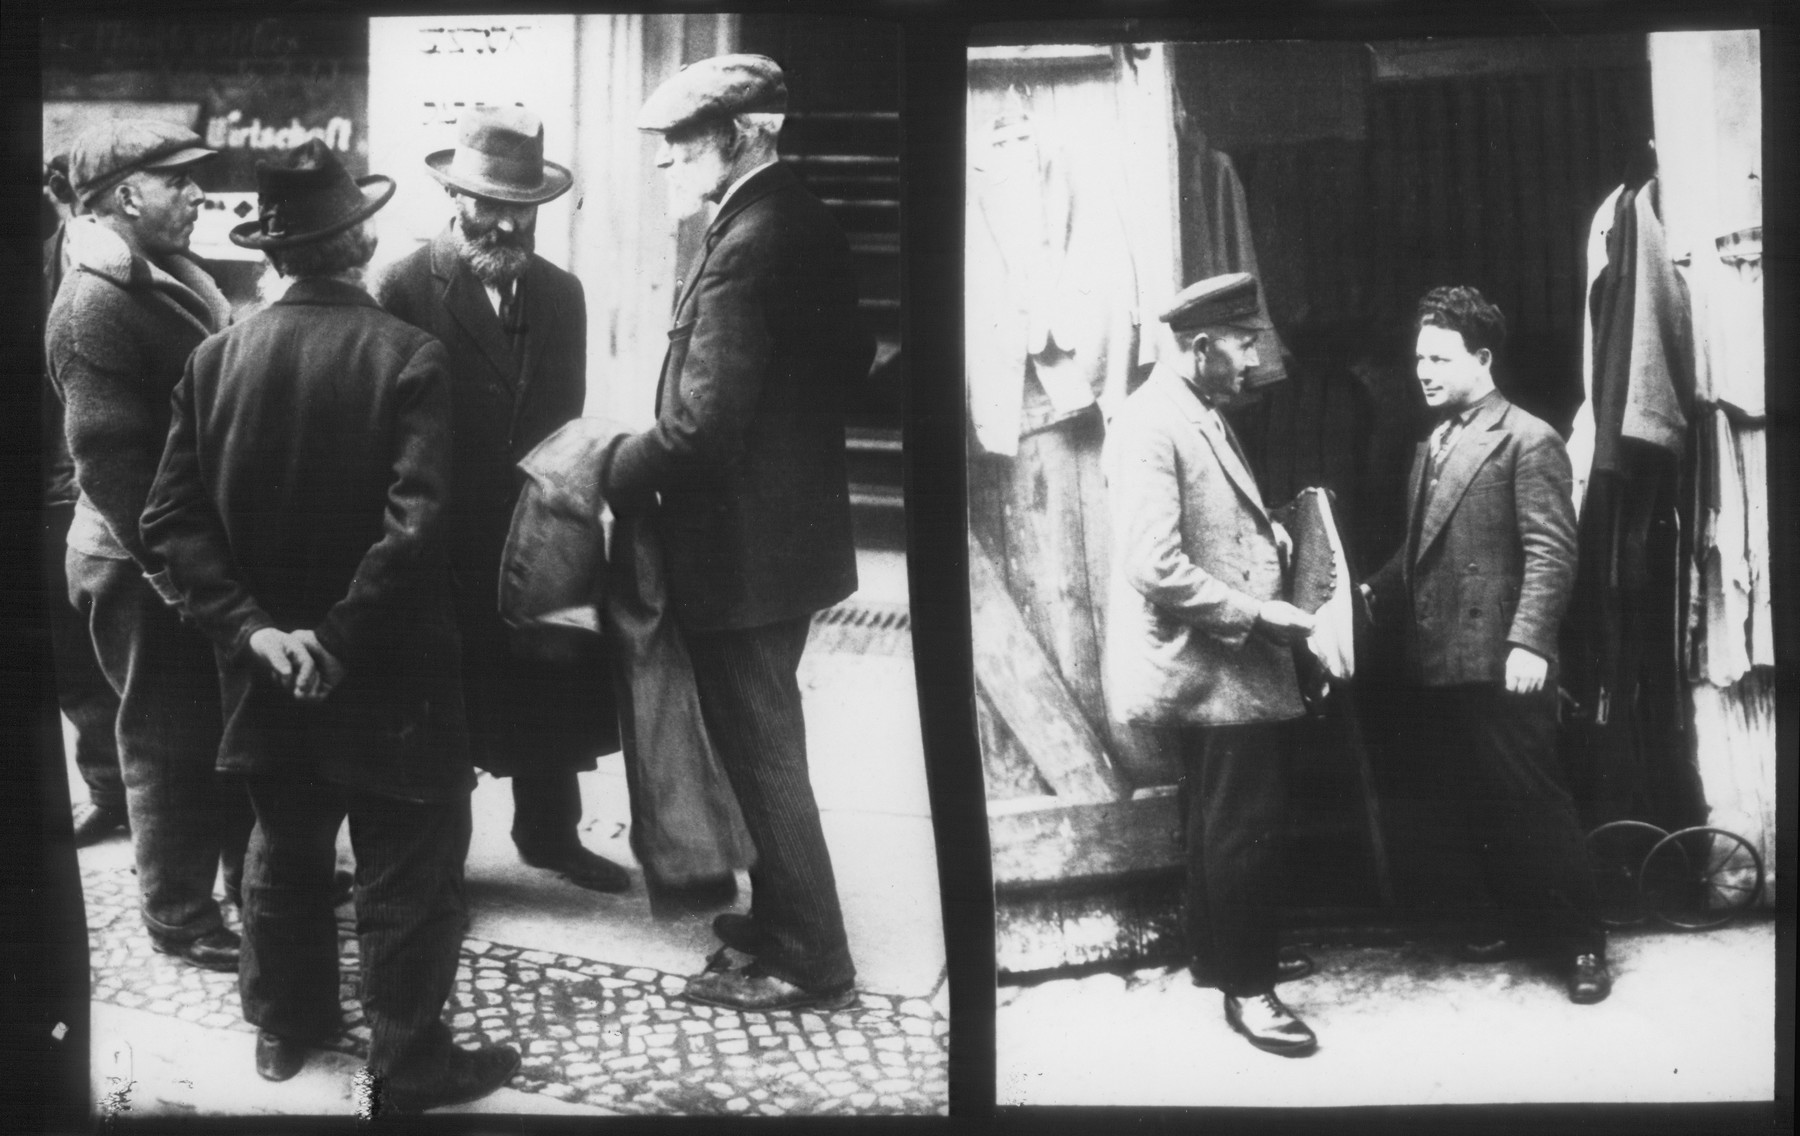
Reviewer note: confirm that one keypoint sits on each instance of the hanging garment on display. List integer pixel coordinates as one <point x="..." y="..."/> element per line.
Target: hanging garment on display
<point x="1320" y="581"/>
<point x="1581" y="431"/>
<point x="1051" y="301"/>
<point x="1216" y="239"/>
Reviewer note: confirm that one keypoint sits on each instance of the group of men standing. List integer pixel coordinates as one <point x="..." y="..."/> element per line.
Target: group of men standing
<point x="288" y="544"/>
<point x="1200" y="638"/>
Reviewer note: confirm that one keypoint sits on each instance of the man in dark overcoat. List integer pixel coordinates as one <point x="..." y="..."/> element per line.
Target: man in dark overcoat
<point x="131" y="307"/>
<point x="516" y="329"/>
<point x="743" y="476"/>
<point x="1198" y="639"/>
<point x="301" y="508"/>
<point x="1480" y="586"/>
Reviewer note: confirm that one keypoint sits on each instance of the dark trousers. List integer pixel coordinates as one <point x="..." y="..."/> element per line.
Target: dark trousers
<point x="1234" y="796"/>
<point x="1492" y="808"/>
<point x="546" y="811"/>
<point x="185" y="818"/>
<point x="410" y="907"/>
<point x="82" y="692"/>
<point x="750" y="701"/>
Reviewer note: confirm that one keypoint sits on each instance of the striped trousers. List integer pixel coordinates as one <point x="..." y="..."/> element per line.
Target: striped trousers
<point x="750" y="699"/>
<point x="410" y="911"/>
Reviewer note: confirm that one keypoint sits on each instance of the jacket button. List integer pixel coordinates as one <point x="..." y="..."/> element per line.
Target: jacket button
<point x="1246" y="573"/>
<point x="1473" y="612"/>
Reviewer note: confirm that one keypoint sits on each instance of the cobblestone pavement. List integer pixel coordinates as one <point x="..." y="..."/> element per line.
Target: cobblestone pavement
<point x="590" y="1032"/>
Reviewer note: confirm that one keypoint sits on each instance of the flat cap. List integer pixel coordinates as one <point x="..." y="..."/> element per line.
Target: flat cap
<point x="106" y="154"/>
<point x="1217" y="301"/>
<point x="719" y="87"/>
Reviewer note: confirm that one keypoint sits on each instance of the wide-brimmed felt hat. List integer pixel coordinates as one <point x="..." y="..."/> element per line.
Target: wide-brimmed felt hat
<point x="719" y="87"/>
<point x="306" y="196"/>
<point x="499" y="155"/>
<point x="106" y="154"/>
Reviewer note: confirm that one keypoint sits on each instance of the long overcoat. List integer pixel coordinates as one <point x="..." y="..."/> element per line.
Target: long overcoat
<point x="303" y="485"/>
<point x="744" y="469"/>
<point x="526" y="716"/>
<point x="1491" y="562"/>
<point x="1194" y="560"/>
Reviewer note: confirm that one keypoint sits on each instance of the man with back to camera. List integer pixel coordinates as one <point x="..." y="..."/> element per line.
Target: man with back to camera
<point x="516" y="329"/>
<point x="743" y="475"/>
<point x="1481" y="584"/>
<point x="130" y="309"/>
<point x="301" y="508"/>
<point x="1199" y="638"/>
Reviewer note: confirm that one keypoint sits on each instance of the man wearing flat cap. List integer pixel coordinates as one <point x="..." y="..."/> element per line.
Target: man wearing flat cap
<point x="743" y="475"/>
<point x="130" y="309"/>
<point x="516" y="329"/>
<point x="1199" y="639"/>
<point x="301" y="509"/>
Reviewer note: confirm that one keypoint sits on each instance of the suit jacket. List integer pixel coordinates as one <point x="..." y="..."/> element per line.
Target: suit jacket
<point x="303" y="485"/>
<point x="1194" y="558"/>
<point x="526" y="716"/>
<point x="747" y="454"/>
<point x="1494" y="557"/>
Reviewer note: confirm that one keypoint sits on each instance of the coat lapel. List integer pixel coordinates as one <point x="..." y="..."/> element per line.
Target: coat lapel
<point x="1484" y="432"/>
<point x="763" y="183"/>
<point x="466" y="301"/>
<point x="1190" y="407"/>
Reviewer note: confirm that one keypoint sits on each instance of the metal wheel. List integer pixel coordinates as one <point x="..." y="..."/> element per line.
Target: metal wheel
<point x="1616" y="850"/>
<point x="1700" y="877"/>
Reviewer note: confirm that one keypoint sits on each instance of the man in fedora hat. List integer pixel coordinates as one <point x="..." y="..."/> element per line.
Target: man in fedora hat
<point x="744" y="473"/>
<point x="301" y="510"/>
<point x="132" y="306"/>
<point x="1199" y="638"/>
<point x="516" y="327"/>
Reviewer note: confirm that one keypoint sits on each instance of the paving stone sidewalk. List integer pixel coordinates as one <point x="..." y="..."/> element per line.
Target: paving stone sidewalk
<point x="590" y="1032"/>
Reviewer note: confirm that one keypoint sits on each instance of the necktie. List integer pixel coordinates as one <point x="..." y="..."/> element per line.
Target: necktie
<point x="512" y="310"/>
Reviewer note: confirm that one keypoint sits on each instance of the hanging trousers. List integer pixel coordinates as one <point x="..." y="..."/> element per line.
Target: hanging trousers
<point x="186" y="819"/>
<point x="410" y="912"/>
<point x="1234" y="797"/>
<point x="750" y="700"/>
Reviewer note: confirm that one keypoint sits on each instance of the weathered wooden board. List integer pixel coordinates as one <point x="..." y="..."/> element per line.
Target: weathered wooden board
<point x="1006" y="769"/>
<point x="1137" y="922"/>
<point x="1048" y="842"/>
<point x="1029" y="695"/>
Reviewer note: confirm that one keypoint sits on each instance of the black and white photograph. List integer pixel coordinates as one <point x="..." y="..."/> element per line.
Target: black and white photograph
<point x="1370" y="587"/>
<point x="474" y="533"/>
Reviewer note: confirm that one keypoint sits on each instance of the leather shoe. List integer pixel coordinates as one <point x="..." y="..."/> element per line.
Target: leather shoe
<point x="215" y="950"/>
<point x="752" y="989"/>
<point x="1589" y="980"/>
<point x="673" y="901"/>
<point x="581" y="868"/>
<point x="1269" y="1025"/>
<point x="278" y="1058"/>
<point x="737" y="931"/>
<point x="94" y="824"/>
<point x="469" y="1074"/>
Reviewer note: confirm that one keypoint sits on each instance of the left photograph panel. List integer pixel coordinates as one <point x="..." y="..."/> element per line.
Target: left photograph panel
<point x="476" y="554"/>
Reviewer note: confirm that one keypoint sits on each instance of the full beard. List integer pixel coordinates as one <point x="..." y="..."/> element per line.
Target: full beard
<point x="496" y="259"/>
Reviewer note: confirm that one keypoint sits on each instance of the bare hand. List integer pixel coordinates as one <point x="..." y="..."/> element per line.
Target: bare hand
<point x="285" y="659"/>
<point x="331" y="671"/>
<point x="1525" y="671"/>
<point x="1283" y="622"/>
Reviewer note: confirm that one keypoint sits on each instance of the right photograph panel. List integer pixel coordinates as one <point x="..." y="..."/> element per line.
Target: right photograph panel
<point x="1368" y="543"/>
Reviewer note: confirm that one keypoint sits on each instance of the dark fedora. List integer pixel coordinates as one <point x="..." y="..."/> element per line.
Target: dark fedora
<point x="307" y="196"/>
<point x="499" y="155"/>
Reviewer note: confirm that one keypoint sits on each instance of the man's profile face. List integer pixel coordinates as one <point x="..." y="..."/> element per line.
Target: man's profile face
<point x="1450" y="375"/>
<point x="497" y="237"/>
<point x="697" y="165"/>
<point x="1220" y="366"/>
<point x="168" y="205"/>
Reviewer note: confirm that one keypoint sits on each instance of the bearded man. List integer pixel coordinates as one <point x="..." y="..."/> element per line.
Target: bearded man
<point x="516" y="327"/>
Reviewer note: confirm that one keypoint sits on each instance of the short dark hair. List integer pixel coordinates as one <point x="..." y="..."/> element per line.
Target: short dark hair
<point x="1467" y="312"/>
<point x="336" y="254"/>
